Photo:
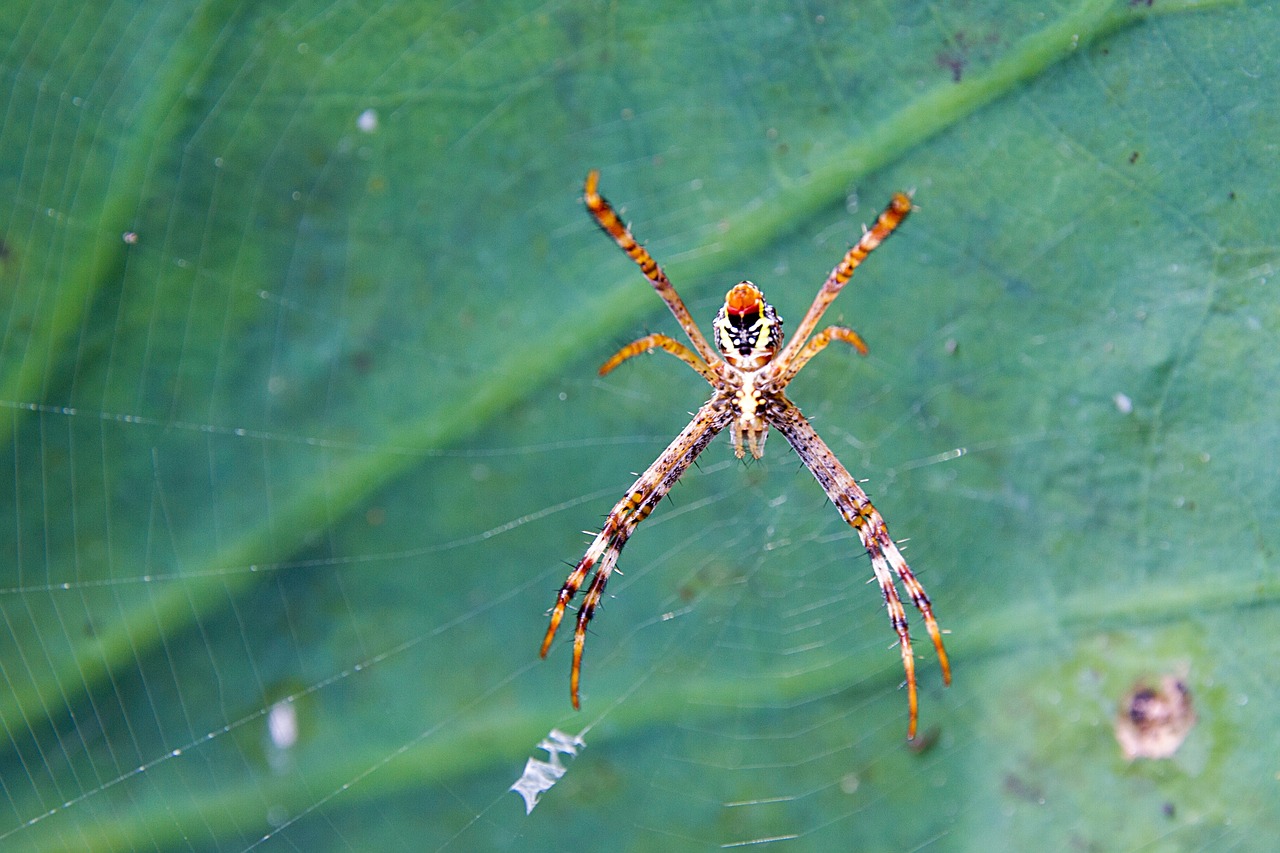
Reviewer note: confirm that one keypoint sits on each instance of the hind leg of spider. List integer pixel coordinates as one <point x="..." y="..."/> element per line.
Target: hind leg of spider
<point x="599" y="546"/>
<point x="588" y="609"/>
<point x="603" y="552"/>
<point x="898" y="621"/>
<point x="603" y="556"/>
<point x="920" y="599"/>
<point x="858" y="512"/>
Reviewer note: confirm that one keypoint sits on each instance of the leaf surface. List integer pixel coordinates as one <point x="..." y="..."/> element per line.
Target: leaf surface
<point x="301" y="320"/>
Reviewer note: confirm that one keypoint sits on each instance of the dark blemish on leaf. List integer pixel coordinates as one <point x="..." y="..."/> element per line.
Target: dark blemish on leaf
<point x="1133" y="158"/>
<point x="1147" y="3"/>
<point x="956" y="55"/>
<point x="1023" y="790"/>
<point x="1154" y="720"/>
<point x="952" y="62"/>
<point x="1232" y="195"/>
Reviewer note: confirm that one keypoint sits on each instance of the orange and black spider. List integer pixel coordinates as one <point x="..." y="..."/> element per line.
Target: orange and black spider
<point x="748" y="375"/>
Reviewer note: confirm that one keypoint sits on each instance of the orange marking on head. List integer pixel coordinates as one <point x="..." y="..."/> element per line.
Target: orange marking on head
<point x="744" y="298"/>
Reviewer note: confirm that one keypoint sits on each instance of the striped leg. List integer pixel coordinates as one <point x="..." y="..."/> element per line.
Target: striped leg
<point x="889" y="219"/>
<point x="626" y="515"/>
<point x="886" y="560"/>
<point x="612" y="225"/>
<point x="651" y="342"/>
<point x="818" y="343"/>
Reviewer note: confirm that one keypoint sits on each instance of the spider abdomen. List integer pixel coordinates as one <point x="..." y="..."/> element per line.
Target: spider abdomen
<point x="748" y="425"/>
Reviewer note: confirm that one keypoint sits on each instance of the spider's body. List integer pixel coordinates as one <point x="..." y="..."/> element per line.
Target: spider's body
<point x="748" y="333"/>
<point x="748" y="372"/>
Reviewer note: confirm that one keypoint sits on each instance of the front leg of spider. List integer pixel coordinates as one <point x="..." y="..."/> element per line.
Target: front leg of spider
<point x="748" y="371"/>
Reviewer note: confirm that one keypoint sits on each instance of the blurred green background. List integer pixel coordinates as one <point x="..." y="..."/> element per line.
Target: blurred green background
<point x="299" y="322"/>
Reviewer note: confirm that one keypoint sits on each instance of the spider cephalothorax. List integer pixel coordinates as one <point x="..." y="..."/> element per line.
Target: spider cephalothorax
<point x="748" y="375"/>
<point x="748" y="330"/>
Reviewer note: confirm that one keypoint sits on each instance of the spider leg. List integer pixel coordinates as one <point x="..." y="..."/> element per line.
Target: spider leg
<point x="889" y="219"/>
<point x="897" y="614"/>
<point x="599" y="546"/>
<point x="635" y="506"/>
<point x="651" y="342"/>
<point x="918" y="596"/>
<point x="612" y="225"/>
<point x="856" y="509"/>
<point x="818" y="343"/>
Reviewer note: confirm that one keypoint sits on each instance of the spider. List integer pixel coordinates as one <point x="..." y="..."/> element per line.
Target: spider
<point x="747" y="375"/>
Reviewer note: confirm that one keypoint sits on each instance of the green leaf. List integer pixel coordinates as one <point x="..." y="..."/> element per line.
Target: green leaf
<point x="301" y="321"/>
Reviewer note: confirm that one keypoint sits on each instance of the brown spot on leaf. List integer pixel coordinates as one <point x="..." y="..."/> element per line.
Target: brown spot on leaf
<point x="1153" y="721"/>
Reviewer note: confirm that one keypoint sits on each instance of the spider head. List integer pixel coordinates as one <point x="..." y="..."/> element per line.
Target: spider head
<point x="748" y="330"/>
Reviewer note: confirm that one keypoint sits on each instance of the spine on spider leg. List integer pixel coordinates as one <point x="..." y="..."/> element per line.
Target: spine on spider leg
<point x="569" y="589"/>
<point x="602" y="555"/>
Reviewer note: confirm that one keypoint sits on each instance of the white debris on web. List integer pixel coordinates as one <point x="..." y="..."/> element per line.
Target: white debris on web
<point x="539" y="775"/>
<point x="282" y="729"/>
<point x="282" y="724"/>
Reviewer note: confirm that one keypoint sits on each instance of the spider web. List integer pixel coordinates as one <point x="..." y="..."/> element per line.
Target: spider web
<point x="300" y="322"/>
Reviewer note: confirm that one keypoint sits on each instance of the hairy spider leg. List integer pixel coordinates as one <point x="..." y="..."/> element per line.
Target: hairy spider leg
<point x="612" y="225"/>
<point x="634" y="508"/>
<point x="659" y="341"/>
<point x="818" y="343"/>
<point x="856" y="509"/>
<point x="889" y="219"/>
